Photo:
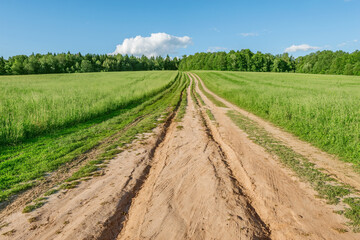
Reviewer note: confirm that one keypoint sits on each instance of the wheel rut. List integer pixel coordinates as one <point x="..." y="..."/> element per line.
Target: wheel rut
<point x="190" y="192"/>
<point x="289" y="206"/>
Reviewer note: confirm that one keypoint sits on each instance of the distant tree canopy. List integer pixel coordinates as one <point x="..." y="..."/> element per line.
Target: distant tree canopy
<point x="321" y="62"/>
<point x="243" y="60"/>
<point x="71" y="63"/>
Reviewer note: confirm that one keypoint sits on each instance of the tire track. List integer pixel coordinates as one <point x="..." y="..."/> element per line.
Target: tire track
<point x="114" y="225"/>
<point x="190" y="192"/>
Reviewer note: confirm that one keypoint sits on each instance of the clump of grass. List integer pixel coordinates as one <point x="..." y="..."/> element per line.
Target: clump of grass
<point x="353" y="212"/>
<point x="85" y="171"/>
<point x="50" y="192"/>
<point x="199" y="98"/>
<point x="210" y="115"/>
<point x="33" y="219"/>
<point x="341" y="230"/>
<point x="327" y="187"/>
<point x="30" y="208"/>
<point x="70" y="185"/>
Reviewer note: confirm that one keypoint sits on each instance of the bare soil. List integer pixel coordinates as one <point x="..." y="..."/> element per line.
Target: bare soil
<point x="194" y="179"/>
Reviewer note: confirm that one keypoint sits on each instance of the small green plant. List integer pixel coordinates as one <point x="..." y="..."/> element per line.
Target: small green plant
<point x="30" y="208"/>
<point x="33" y="219"/>
<point x="50" y="192"/>
<point x="210" y="115"/>
<point x="70" y="185"/>
<point x="180" y="127"/>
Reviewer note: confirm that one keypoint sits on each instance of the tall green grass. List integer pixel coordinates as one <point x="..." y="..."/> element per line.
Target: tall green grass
<point x="321" y="109"/>
<point x="35" y="104"/>
<point x="24" y="165"/>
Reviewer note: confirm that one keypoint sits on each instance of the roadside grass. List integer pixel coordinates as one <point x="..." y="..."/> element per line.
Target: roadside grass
<point x="211" y="97"/>
<point x="192" y="92"/>
<point x="326" y="186"/>
<point x="321" y="109"/>
<point x="198" y="97"/>
<point x="200" y="102"/>
<point x="182" y="109"/>
<point x="150" y="113"/>
<point x="25" y="165"/>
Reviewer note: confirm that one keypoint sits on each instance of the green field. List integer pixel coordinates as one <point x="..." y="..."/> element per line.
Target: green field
<point x="49" y="120"/>
<point x="321" y="109"/>
<point x="34" y="104"/>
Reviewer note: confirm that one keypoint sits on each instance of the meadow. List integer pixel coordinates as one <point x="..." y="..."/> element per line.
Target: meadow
<point x="35" y="104"/>
<point x="57" y="119"/>
<point x="321" y="109"/>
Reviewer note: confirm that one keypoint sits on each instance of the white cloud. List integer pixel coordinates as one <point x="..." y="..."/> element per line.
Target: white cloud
<point x="302" y="47"/>
<point x="158" y="44"/>
<point x="216" y="49"/>
<point x="250" y="34"/>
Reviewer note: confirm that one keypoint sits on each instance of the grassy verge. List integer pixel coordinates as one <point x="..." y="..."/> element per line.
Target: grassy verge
<point x="182" y="109"/>
<point x="26" y="165"/>
<point x="211" y="97"/>
<point x="322" y="110"/>
<point x="159" y="108"/>
<point x="326" y="186"/>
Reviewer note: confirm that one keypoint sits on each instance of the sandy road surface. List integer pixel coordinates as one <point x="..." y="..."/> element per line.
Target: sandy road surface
<point x="195" y="179"/>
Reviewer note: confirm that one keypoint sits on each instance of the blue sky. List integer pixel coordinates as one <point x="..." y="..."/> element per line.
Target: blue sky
<point x="99" y="26"/>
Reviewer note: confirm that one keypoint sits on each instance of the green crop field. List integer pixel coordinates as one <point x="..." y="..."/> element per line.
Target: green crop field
<point x="321" y="109"/>
<point x="49" y="120"/>
<point x="33" y="104"/>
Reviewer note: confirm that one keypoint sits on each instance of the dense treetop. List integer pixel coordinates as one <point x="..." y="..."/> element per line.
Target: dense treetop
<point x="321" y="62"/>
<point x="71" y="63"/>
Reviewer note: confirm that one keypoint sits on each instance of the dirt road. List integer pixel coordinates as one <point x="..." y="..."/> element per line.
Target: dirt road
<point x="200" y="178"/>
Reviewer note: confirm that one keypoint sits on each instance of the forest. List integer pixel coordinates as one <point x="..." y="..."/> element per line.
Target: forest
<point x="74" y="63"/>
<point x="321" y="62"/>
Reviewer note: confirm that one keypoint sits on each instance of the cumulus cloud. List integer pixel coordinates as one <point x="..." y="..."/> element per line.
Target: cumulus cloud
<point x="158" y="44"/>
<point x="216" y="49"/>
<point x="302" y="47"/>
<point x="250" y="34"/>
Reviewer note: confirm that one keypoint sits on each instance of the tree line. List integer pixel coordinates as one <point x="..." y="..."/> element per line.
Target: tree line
<point x="72" y="63"/>
<point x="321" y="62"/>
